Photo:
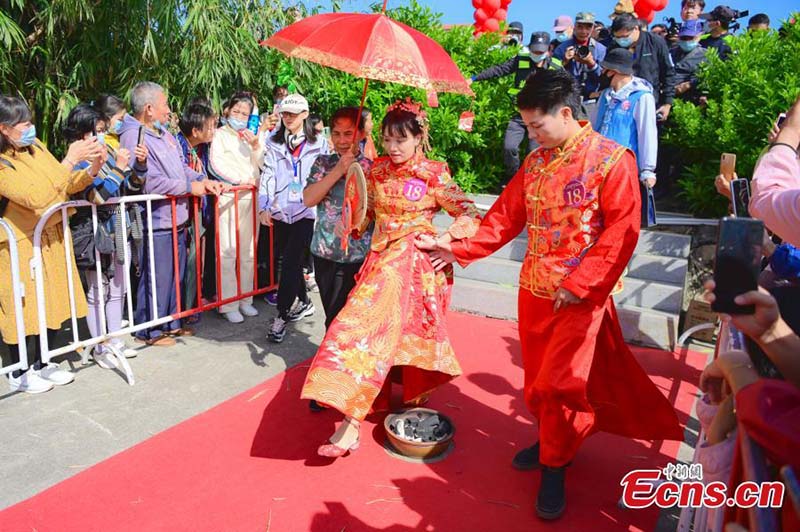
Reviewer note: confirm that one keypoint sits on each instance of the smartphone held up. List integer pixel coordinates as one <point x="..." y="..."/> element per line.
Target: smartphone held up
<point x="737" y="263"/>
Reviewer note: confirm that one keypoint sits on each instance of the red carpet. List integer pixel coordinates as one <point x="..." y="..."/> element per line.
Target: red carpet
<point x="249" y="464"/>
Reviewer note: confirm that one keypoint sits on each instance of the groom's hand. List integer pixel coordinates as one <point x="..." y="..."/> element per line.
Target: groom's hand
<point x="564" y="298"/>
<point x="440" y="252"/>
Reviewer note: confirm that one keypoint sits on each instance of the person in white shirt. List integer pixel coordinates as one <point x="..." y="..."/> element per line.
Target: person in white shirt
<point x="235" y="158"/>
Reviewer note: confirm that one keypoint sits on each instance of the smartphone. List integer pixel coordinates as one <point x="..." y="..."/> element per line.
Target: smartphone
<point x="781" y="120"/>
<point x="727" y="165"/>
<point x="94" y="128"/>
<point x="141" y="136"/>
<point x="740" y="197"/>
<point x="792" y="486"/>
<point x="737" y="263"/>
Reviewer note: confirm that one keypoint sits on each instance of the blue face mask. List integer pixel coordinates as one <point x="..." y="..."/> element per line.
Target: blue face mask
<point x="158" y="125"/>
<point x="562" y="37"/>
<point x="237" y="124"/>
<point x="688" y="46"/>
<point x="624" y="42"/>
<point x="27" y="139"/>
<point x="538" y="58"/>
<point x="117" y="127"/>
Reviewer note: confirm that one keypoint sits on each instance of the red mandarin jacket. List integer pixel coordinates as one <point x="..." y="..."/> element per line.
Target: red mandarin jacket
<point x="581" y="207"/>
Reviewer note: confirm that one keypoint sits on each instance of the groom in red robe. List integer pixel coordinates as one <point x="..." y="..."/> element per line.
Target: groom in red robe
<point x="578" y="198"/>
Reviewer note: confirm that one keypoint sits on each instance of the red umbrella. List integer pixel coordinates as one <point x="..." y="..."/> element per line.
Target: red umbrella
<point x="372" y="46"/>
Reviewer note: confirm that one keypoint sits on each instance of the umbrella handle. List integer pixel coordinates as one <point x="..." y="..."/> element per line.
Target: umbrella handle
<point x="361" y="107"/>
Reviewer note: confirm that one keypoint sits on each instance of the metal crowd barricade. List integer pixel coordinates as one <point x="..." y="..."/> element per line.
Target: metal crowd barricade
<point x="17" y="293"/>
<point x="147" y="200"/>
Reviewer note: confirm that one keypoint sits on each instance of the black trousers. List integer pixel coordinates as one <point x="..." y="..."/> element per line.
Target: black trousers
<point x="292" y="241"/>
<point x="34" y="351"/>
<point x="335" y="281"/>
<point x="516" y="133"/>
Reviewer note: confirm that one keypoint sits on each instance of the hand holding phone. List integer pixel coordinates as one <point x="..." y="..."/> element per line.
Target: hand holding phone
<point x="727" y="165"/>
<point x="737" y="263"/>
<point x="140" y="141"/>
<point x="740" y="197"/>
<point x="781" y="120"/>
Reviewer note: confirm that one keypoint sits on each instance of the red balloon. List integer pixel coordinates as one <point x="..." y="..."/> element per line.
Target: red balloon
<point x="491" y="5"/>
<point x="659" y="5"/>
<point x="500" y="14"/>
<point x="491" y="24"/>
<point x="477" y="4"/>
<point x="647" y="15"/>
<point x="480" y="17"/>
<point x="504" y="3"/>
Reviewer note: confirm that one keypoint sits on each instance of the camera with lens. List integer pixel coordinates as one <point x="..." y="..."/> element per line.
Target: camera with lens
<point x="583" y="51"/>
<point x="673" y="27"/>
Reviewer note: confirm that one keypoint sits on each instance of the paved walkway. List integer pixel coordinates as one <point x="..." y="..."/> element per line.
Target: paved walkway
<point x="50" y="437"/>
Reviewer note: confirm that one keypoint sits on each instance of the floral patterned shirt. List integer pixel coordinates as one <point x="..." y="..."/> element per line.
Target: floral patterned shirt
<point x="325" y="244"/>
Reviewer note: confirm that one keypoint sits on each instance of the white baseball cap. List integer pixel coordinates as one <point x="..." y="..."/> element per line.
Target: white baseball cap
<point x="294" y="103"/>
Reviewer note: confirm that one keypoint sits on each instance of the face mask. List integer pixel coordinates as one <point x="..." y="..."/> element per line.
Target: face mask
<point x="158" y="125"/>
<point x="539" y="58"/>
<point x="688" y="46"/>
<point x="562" y="37"/>
<point x="27" y="139"/>
<point x="624" y="42"/>
<point x="237" y="124"/>
<point x="101" y="138"/>
<point x="117" y="127"/>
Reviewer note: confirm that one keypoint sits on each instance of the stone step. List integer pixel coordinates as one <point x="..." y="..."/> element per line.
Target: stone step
<point x="492" y="270"/>
<point x="664" y="244"/>
<point x="667" y="270"/>
<point x="651" y="295"/>
<point x="647" y="327"/>
<point x="486" y="299"/>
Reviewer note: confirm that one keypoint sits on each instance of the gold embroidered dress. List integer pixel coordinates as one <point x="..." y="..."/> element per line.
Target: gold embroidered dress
<point x="395" y="315"/>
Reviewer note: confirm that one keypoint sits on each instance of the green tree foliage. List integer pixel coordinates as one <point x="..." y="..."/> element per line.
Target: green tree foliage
<point x="745" y="94"/>
<point x="56" y="53"/>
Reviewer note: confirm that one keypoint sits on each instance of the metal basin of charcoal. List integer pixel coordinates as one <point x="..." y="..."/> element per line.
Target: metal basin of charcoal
<point x="413" y="449"/>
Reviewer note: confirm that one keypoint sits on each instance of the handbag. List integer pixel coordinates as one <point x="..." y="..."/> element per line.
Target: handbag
<point x="649" y="217"/>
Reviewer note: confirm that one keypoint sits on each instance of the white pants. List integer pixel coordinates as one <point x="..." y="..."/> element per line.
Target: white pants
<point x="226" y="233"/>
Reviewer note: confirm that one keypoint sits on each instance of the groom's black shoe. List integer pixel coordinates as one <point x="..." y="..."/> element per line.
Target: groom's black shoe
<point x="550" y="502"/>
<point x="527" y="458"/>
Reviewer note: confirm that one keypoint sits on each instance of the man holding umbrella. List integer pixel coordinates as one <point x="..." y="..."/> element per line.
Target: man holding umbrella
<point x="535" y="56"/>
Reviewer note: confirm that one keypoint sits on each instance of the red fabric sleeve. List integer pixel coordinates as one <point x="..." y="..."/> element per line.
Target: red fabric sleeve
<point x="769" y="410"/>
<point x="504" y="222"/>
<point x="621" y="205"/>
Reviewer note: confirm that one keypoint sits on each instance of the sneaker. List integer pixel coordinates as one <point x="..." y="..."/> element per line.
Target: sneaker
<point x="301" y="310"/>
<point x="29" y="382"/>
<point x="527" y="459"/>
<point x="272" y="299"/>
<point x="104" y="359"/>
<point x="277" y="330"/>
<point x="234" y="316"/>
<point x="128" y="352"/>
<point x="550" y="502"/>
<point x="59" y="377"/>
<point x="311" y="283"/>
<point x="248" y="310"/>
